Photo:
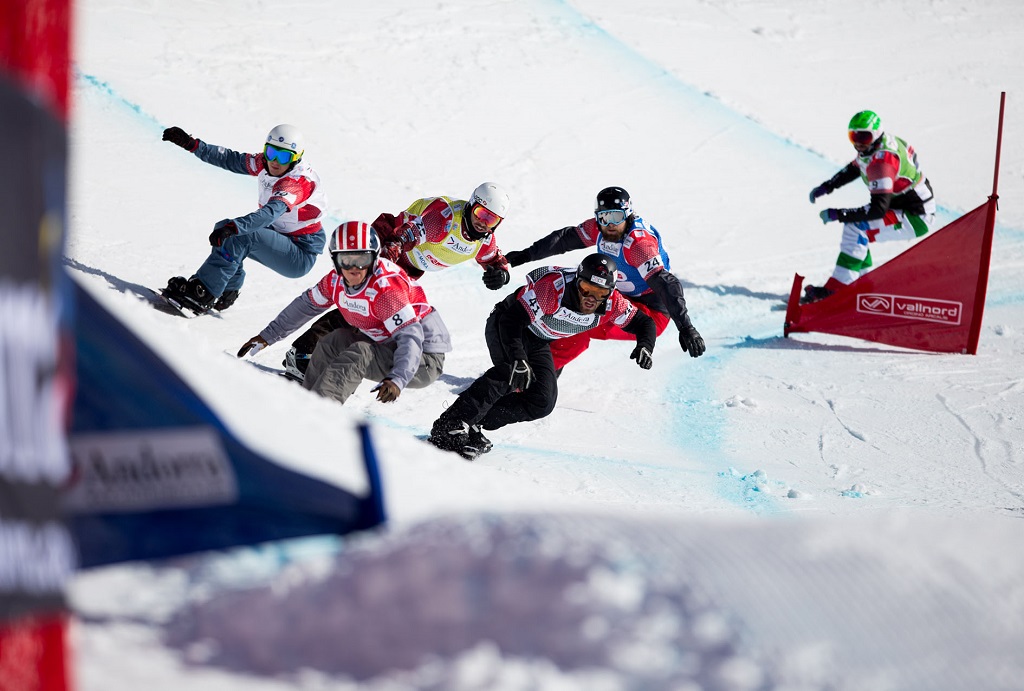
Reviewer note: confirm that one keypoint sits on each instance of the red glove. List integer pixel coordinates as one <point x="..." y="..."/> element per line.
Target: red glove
<point x="393" y="251"/>
<point x="411" y="233"/>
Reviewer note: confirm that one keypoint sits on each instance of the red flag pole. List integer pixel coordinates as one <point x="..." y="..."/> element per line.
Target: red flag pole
<point x="986" y="243"/>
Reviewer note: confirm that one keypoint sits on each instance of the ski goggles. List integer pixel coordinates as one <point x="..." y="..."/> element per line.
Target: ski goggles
<point x="611" y="217"/>
<point x="861" y="137"/>
<point x="281" y="156"/>
<point x="346" y="261"/>
<point x="488" y="217"/>
<point x="589" y="290"/>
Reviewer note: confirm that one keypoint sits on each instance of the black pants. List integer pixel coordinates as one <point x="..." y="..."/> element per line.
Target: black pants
<point x="306" y="343"/>
<point x="490" y="403"/>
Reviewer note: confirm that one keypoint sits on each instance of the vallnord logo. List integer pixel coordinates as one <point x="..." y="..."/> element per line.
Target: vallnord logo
<point x="909" y="307"/>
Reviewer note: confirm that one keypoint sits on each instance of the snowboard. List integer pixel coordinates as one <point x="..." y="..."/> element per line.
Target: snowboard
<point x="164" y="304"/>
<point x="464" y="453"/>
<point x="271" y="370"/>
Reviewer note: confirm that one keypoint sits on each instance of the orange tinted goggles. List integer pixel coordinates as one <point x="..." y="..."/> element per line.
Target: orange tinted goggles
<point x="489" y="218"/>
<point x="589" y="290"/>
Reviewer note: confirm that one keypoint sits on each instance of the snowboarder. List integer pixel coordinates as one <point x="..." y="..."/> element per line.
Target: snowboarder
<point x="433" y="234"/>
<point x="390" y="333"/>
<point x="902" y="205"/>
<point x="285" y="234"/>
<point x="646" y="278"/>
<point x="556" y="303"/>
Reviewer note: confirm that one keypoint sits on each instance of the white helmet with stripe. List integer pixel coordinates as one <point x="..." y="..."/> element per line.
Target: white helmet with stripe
<point x="353" y="238"/>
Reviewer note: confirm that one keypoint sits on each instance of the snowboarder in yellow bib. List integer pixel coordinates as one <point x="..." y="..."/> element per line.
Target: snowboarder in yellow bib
<point x="436" y="233"/>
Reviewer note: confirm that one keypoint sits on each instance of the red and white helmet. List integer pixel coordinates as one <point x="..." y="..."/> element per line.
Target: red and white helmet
<point x="353" y="238"/>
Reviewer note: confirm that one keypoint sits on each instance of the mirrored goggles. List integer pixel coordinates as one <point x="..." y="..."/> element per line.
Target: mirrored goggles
<point x="611" y="217"/>
<point x="861" y="137"/>
<point x="281" y="156"/>
<point x="489" y="218"/>
<point x="589" y="290"/>
<point x="346" y="261"/>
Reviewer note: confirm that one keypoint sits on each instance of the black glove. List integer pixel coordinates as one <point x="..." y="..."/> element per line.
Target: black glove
<point x="691" y="342"/>
<point x="176" y="135"/>
<point x="642" y="356"/>
<point x="819" y="191"/>
<point x="522" y="376"/>
<point x="495" y="277"/>
<point x="517" y="257"/>
<point x="222" y="231"/>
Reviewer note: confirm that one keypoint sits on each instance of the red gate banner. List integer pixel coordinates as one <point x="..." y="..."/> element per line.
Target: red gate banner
<point x="931" y="297"/>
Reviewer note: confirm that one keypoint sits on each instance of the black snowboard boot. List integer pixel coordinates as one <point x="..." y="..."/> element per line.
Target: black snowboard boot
<point x="191" y="294"/>
<point x="295" y="364"/>
<point x="478" y="441"/>
<point x="452" y="435"/>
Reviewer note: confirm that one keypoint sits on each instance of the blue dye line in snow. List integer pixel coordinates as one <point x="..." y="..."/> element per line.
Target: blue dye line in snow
<point x="699" y="429"/>
<point x="107" y="90"/>
<point x="699" y="426"/>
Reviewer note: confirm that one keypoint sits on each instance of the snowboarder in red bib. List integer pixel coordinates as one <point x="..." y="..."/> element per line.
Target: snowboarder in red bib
<point x="284" y="234"/>
<point x="391" y="334"/>
<point x="556" y="303"/>
<point x="432" y="234"/>
<point x="902" y="205"/>
<point x="645" y="277"/>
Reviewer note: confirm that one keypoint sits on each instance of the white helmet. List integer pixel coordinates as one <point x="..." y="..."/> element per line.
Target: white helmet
<point x="492" y="197"/>
<point x="287" y="137"/>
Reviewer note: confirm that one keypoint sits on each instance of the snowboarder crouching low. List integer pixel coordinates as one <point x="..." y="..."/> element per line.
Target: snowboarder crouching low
<point x="391" y="333"/>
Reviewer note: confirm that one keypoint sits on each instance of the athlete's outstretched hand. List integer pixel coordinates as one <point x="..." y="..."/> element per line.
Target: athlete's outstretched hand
<point x="691" y="342"/>
<point x="495" y="277"/>
<point x="176" y="135"/>
<point x="642" y="357"/>
<point x="252" y="346"/>
<point x="387" y="391"/>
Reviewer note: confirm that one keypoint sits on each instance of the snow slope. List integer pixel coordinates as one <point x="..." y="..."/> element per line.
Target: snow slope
<point x="718" y="118"/>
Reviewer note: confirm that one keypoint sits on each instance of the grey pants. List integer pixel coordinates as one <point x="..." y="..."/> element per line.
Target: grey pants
<point x="346" y="356"/>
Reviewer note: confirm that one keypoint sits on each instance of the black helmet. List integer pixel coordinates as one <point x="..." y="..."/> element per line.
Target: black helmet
<point x="611" y="198"/>
<point x="598" y="269"/>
